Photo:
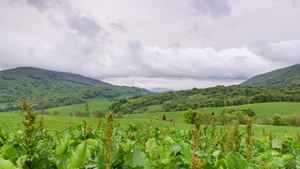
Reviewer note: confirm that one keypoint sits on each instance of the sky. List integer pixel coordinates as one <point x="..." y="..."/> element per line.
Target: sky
<point x="175" y="44"/>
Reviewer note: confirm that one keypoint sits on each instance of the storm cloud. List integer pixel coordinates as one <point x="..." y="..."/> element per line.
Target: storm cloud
<point x="176" y="44"/>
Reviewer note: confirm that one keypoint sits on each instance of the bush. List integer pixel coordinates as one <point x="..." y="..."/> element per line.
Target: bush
<point x="100" y="113"/>
<point x="164" y="118"/>
<point x="120" y="115"/>
<point x="206" y="118"/>
<point x="167" y="109"/>
<point x="78" y="113"/>
<point x="266" y="121"/>
<point x="55" y="112"/>
<point x="293" y="120"/>
<point x="277" y="120"/>
<point x="248" y="112"/>
<point x="188" y="115"/>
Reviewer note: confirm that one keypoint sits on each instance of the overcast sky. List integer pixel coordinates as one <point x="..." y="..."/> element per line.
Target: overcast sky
<point x="176" y="44"/>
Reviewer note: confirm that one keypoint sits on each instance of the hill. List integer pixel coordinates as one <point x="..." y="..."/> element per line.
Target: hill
<point x="288" y="75"/>
<point x="48" y="89"/>
<point x="160" y="90"/>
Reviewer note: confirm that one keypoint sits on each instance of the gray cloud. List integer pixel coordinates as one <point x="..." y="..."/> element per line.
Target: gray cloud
<point x="214" y="8"/>
<point x="83" y="25"/>
<point x="285" y="51"/>
<point x="117" y="25"/>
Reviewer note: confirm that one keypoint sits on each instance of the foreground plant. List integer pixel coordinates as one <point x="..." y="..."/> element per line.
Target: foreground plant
<point x="30" y="130"/>
<point x="108" y="139"/>
<point x="248" y="139"/>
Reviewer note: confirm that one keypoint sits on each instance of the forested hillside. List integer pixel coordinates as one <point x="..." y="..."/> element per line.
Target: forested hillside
<point x="288" y="75"/>
<point x="218" y="96"/>
<point x="47" y="89"/>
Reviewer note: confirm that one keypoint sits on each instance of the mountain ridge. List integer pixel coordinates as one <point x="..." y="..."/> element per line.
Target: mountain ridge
<point x="47" y="88"/>
<point x="286" y="75"/>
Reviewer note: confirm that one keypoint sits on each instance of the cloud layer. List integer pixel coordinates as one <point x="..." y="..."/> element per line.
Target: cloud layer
<point x="178" y="44"/>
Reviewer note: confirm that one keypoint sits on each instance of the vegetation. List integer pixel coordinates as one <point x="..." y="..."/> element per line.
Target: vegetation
<point x="134" y="146"/>
<point x="218" y="96"/>
<point x="47" y="89"/>
<point x="288" y="75"/>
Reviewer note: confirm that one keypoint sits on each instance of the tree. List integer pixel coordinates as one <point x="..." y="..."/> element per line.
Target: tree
<point x="55" y="112"/>
<point x="87" y="111"/>
<point x="120" y="115"/>
<point x="99" y="113"/>
<point x="78" y="113"/>
<point x="164" y="118"/>
<point x="188" y="115"/>
<point x="277" y="120"/>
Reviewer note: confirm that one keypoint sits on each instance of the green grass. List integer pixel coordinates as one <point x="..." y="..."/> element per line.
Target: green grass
<point x="155" y="108"/>
<point x="66" y="110"/>
<point x="96" y="99"/>
<point x="13" y="122"/>
<point x="176" y="116"/>
<point x="199" y="96"/>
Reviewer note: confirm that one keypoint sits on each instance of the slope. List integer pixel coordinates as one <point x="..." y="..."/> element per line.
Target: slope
<point x="48" y="89"/>
<point x="288" y="75"/>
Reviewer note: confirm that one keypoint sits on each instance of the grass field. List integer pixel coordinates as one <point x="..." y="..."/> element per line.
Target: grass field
<point x="262" y="109"/>
<point x="66" y="110"/>
<point x="13" y="122"/>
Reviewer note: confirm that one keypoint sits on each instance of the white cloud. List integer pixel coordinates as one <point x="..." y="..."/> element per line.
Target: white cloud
<point x="180" y="44"/>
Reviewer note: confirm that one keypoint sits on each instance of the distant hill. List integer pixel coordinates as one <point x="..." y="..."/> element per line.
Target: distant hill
<point x="48" y="89"/>
<point x="160" y="90"/>
<point x="288" y="75"/>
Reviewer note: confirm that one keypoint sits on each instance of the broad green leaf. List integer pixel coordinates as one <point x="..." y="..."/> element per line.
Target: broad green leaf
<point x="164" y="155"/>
<point x="78" y="156"/>
<point x="186" y="153"/>
<point x="287" y="157"/>
<point x="236" y="161"/>
<point x="21" y="161"/>
<point x="174" y="148"/>
<point x="298" y="162"/>
<point x="5" y="164"/>
<point x="152" y="148"/>
<point x="92" y="142"/>
<point x="8" y="150"/>
<point x="136" y="159"/>
<point x="164" y="152"/>
<point x="62" y="146"/>
<point x="278" y="161"/>
<point x="168" y="140"/>
<point x="61" y="161"/>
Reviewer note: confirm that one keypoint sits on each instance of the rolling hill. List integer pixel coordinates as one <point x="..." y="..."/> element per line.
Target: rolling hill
<point x="288" y="75"/>
<point x="47" y="89"/>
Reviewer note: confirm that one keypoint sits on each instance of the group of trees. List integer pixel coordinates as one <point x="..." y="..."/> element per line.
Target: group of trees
<point x="278" y="120"/>
<point x="218" y="96"/>
<point x="228" y="115"/>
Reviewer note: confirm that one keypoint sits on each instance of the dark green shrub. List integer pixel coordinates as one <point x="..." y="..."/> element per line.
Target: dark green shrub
<point x="266" y="121"/>
<point x="99" y="113"/>
<point x="277" y="120"/>
<point x="120" y="115"/>
<point x="78" y="113"/>
<point x="164" y="118"/>
<point x="188" y="115"/>
<point x="55" y="112"/>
